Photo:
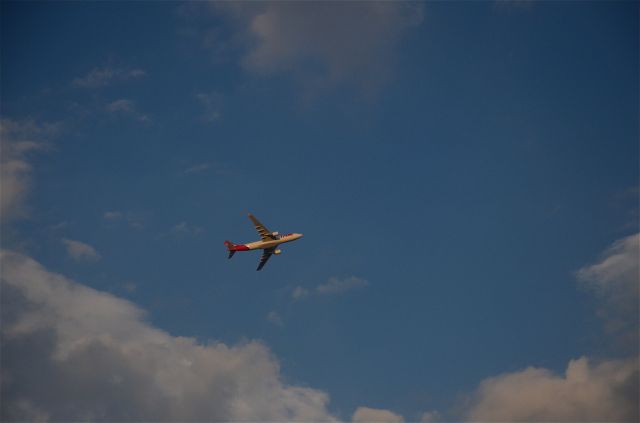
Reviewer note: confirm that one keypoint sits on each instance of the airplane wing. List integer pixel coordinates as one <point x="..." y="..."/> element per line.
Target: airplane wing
<point x="265" y="234"/>
<point x="265" y="256"/>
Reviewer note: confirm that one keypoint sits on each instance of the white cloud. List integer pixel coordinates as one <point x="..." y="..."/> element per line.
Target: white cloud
<point x="100" y="77"/>
<point x="333" y="286"/>
<point x="375" y="415"/>
<point x="614" y="280"/>
<point x="586" y="393"/>
<point x="71" y="353"/>
<point x="80" y="251"/>
<point x="17" y="141"/>
<point x="323" y="42"/>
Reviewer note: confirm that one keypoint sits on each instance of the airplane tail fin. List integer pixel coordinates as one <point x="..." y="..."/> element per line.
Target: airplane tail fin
<point x="230" y="247"/>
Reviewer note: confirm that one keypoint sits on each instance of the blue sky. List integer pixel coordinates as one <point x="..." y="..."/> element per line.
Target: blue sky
<point x="452" y="166"/>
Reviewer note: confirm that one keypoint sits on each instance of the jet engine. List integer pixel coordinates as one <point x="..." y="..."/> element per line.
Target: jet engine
<point x="275" y="233"/>
<point x="277" y="251"/>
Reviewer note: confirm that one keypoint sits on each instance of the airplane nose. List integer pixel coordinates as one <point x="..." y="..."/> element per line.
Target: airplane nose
<point x="300" y="235"/>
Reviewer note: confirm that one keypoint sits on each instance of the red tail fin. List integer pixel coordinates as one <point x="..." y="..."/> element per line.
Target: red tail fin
<point x="230" y="247"/>
<point x="235" y="247"/>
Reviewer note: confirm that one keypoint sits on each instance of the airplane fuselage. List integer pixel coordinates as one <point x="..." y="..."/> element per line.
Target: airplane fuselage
<point x="257" y="245"/>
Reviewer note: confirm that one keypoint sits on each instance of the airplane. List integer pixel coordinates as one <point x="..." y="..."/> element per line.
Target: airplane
<point x="269" y="242"/>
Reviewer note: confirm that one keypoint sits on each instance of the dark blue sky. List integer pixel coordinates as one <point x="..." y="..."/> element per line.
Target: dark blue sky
<point x="464" y="159"/>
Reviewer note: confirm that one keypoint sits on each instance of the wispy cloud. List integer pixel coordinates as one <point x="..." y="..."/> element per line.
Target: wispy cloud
<point x="18" y="141"/>
<point x="130" y="287"/>
<point x="100" y="77"/>
<point x="59" y="226"/>
<point x="215" y="167"/>
<point x="112" y="215"/>
<point x="198" y="168"/>
<point x="134" y="220"/>
<point x="212" y="106"/>
<point x="275" y="318"/>
<point x="126" y="107"/>
<point x="299" y="293"/>
<point x="340" y="286"/>
<point x="183" y="228"/>
<point x="333" y="286"/>
<point x="122" y="105"/>
<point x="80" y="251"/>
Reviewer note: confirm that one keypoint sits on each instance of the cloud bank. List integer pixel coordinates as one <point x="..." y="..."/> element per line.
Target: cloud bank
<point x="71" y="353"/>
<point x="375" y="415"/>
<point x="586" y="393"/>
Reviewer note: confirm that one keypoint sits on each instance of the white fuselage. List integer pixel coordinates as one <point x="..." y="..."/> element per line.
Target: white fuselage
<point x="270" y="244"/>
